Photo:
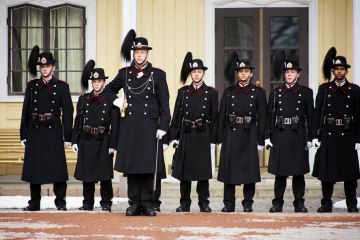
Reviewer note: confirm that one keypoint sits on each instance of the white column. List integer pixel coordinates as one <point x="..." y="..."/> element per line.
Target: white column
<point x="356" y="39"/>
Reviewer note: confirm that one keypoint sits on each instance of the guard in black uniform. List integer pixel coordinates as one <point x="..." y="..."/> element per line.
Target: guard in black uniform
<point x="241" y="133"/>
<point x="288" y="133"/>
<point x="144" y="122"/>
<point x="193" y="130"/>
<point x="336" y="127"/>
<point x="46" y="126"/>
<point x="95" y="138"/>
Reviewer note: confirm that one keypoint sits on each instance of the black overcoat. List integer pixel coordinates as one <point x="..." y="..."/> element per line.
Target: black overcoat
<point x="289" y="155"/>
<point x="336" y="160"/>
<point x="193" y="156"/>
<point x="148" y="110"/>
<point x="239" y="160"/>
<point x="44" y="160"/>
<point x="94" y="163"/>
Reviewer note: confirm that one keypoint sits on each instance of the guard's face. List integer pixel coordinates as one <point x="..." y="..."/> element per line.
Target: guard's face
<point x="291" y="76"/>
<point x="47" y="70"/>
<point x="244" y="74"/>
<point x="339" y="73"/>
<point x="197" y="75"/>
<point x="98" y="84"/>
<point x="140" y="57"/>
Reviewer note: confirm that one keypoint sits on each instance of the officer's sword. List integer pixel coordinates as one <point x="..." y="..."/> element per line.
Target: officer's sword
<point x="156" y="164"/>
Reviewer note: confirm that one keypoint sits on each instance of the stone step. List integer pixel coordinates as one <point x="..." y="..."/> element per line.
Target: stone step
<point x="12" y="185"/>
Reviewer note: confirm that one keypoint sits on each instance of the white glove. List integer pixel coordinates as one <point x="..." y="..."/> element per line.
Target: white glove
<point x="260" y="147"/>
<point x="308" y="144"/>
<point x="111" y="150"/>
<point x="160" y="133"/>
<point x="165" y="146"/>
<point x="357" y="146"/>
<point x="67" y="144"/>
<point x="75" y="148"/>
<point x="212" y="146"/>
<point x="176" y="142"/>
<point x="268" y="143"/>
<point x="119" y="102"/>
<point x="316" y="143"/>
<point x="220" y="145"/>
<point x="23" y="142"/>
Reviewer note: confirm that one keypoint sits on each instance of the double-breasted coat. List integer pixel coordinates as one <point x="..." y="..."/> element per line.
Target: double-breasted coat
<point x="44" y="160"/>
<point x="94" y="162"/>
<point x="289" y="154"/>
<point x="239" y="160"/>
<point x="193" y="156"/>
<point x="148" y="110"/>
<point x="336" y="160"/>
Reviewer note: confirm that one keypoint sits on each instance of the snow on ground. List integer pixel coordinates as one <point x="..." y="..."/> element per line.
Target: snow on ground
<point x="48" y="201"/>
<point x="342" y="204"/>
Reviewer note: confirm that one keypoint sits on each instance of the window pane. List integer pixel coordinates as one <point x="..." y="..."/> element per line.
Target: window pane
<point x="60" y="56"/>
<point x="284" y="32"/>
<point x="73" y="78"/>
<point x="75" y="60"/>
<point x="58" y="17"/>
<point x="238" y="32"/>
<point x="18" y="81"/>
<point x="35" y="17"/>
<point x="75" y="17"/>
<point x="61" y="75"/>
<point x="243" y="54"/>
<point x="18" y="17"/>
<point x="19" y="60"/>
<point x="58" y="38"/>
<point x="75" y="38"/>
<point x="18" y="38"/>
<point x="35" y="37"/>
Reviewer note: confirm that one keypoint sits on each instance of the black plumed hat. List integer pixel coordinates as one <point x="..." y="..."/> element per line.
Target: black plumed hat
<point x="328" y="63"/>
<point x="231" y="66"/>
<point x="88" y="68"/>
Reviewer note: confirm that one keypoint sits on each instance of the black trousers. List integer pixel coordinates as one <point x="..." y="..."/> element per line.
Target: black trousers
<point x="350" y="193"/>
<point x="59" y="191"/>
<point x="298" y="187"/>
<point x="140" y="189"/>
<point x="202" y="189"/>
<point x="106" y="192"/>
<point x="229" y="194"/>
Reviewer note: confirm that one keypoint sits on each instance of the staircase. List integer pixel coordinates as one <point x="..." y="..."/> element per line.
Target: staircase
<point x="12" y="153"/>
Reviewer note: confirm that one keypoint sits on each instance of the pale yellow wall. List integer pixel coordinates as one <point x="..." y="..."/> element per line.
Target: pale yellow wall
<point x="10" y="114"/>
<point x="172" y="28"/>
<point x="108" y="36"/>
<point x="335" y="29"/>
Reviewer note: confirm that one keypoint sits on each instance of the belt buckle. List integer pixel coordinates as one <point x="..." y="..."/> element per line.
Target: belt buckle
<point x="239" y="120"/>
<point x="287" y="121"/>
<point x="94" y="130"/>
<point x="339" y="122"/>
<point x="193" y="124"/>
<point x="41" y="117"/>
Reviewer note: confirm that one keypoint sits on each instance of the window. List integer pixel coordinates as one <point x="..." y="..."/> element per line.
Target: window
<point x="58" y="29"/>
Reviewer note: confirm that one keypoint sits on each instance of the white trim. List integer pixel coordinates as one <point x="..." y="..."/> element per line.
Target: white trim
<point x="90" y="34"/>
<point x="129" y="11"/>
<point x="356" y="39"/>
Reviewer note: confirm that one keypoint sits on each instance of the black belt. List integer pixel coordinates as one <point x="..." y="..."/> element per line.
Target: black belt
<point x="344" y="122"/>
<point x="282" y="122"/>
<point x="241" y="121"/>
<point x="199" y="124"/>
<point x="94" y="132"/>
<point x="45" y="116"/>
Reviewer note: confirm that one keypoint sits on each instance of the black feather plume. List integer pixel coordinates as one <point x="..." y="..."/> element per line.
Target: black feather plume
<point x="185" y="69"/>
<point x="33" y="60"/>
<point x="86" y="74"/>
<point x="230" y="66"/>
<point x="328" y="63"/>
<point x="277" y="65"/>
<point x="127" y="44"/>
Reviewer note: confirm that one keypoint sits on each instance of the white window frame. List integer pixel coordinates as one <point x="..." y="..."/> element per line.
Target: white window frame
<point x="90" y="36"/>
